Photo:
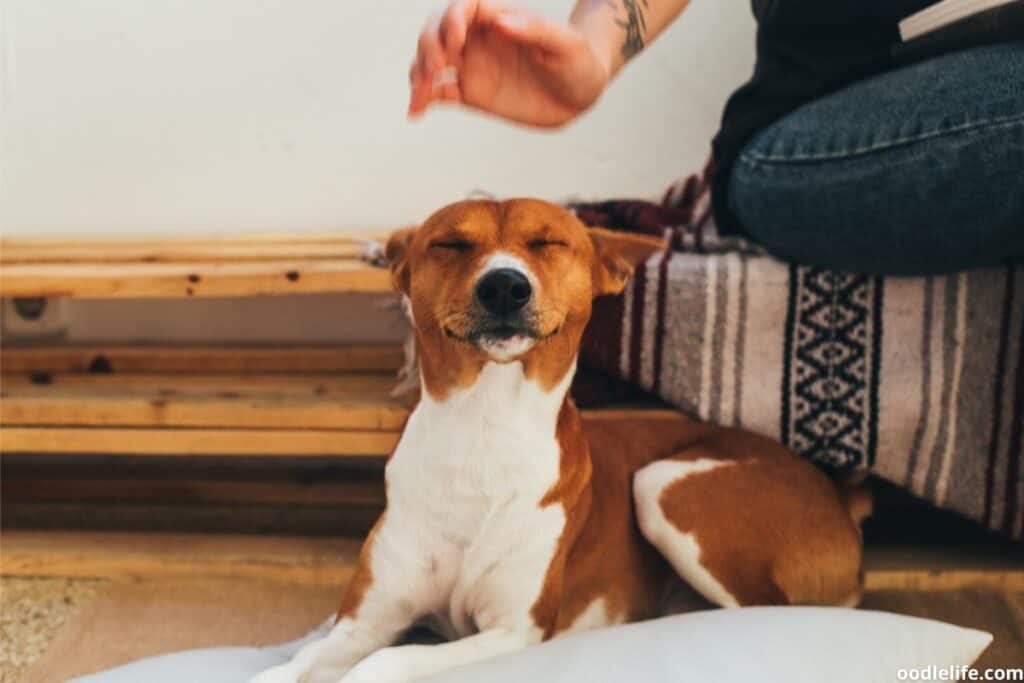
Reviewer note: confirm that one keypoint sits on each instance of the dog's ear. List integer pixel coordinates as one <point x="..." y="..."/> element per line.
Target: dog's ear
<point x="616" y="254"/>
<point x="396" y="253"/>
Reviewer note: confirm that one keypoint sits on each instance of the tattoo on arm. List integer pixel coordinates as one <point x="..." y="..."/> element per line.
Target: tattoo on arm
<point x="635" y="25"/>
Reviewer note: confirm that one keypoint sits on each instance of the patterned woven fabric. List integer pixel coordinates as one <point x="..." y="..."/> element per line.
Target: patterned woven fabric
<point x="919" y="379"/>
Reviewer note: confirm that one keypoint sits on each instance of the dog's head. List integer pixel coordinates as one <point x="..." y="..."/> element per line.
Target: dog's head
<point x="505" y="280"/>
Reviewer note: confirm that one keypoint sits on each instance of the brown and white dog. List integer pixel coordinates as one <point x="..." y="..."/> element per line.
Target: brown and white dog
<point x="510" y="519"/>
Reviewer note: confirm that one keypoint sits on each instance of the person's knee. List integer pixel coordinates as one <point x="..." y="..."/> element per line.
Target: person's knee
<point x="766" y="209"/>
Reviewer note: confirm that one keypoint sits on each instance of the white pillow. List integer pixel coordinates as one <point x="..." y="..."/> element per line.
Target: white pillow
<point x="207" y="665"/>
<point x="766" y="644"/>
<point x="785" y="644"/>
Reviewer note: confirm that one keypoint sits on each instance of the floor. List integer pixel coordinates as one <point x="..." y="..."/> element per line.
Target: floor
<point x="71" y="601"/>
<point x="179" y="614"/>
<point x="57" y="628"/>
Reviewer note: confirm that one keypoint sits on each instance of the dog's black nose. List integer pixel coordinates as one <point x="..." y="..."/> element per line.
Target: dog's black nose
<point x="503" y="291"/>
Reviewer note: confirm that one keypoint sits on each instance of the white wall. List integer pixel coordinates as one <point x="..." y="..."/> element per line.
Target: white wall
<point x="121" y="116"/>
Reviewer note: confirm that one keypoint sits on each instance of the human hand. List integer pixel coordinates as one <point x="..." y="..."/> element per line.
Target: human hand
<point x="508" y="62"/>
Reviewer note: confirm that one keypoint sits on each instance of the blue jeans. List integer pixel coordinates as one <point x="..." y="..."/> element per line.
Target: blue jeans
<point x="916" y="171"/>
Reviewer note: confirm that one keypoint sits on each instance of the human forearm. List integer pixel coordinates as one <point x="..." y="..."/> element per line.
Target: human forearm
<point x="618" y="29"/>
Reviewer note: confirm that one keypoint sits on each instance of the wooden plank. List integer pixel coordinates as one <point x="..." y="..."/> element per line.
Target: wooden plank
<point x="359" y="401"/>
<point x="347" y="401"/>
<point x="264" y="401"/>
<point x="224" y="384"/>
<point x="254" y="413"/>
<point x="179" y="253"/>
<point x="56" y="489"/>
<point x="222" y="518"/>
<point x="178" y="280"/>
<point x="364" y="385"/>
<point x="638" y="412"/>
<point x="921" y="567"/>
<point x="373" y="410"/>
<point x="943" y="580"/>
<point x="176" y="241"/>
<point x="155" y="555"/>
<point x="133" y="441"/>
<point x="201" y="359"/>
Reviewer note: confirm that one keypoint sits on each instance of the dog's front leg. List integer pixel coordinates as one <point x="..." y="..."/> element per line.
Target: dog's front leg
<point x="413" y="662"/>
<point x="389" y="590"/>
<point x="326" y="660"/>
<point x="516" y="604"/>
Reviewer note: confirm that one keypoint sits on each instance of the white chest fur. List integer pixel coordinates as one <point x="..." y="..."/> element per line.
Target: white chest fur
<point x="464" y="492"/>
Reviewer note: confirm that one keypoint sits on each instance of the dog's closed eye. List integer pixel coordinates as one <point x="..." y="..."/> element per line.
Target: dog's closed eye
<point x="452" y="244"/>
<point x="541" y="243"/>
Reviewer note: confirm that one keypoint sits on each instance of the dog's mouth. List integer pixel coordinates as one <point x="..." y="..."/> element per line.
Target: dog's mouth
<point x="505" y="346"/>
<point x="501" y="340"/>
<point x="501" y="332"/>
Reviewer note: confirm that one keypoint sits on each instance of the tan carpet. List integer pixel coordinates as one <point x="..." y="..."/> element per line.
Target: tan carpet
<point x="32" y="611"/>
<point x="133" y="620"/>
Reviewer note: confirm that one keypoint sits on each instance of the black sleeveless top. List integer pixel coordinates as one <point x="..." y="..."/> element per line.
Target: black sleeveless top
<point x="807" y="49"/>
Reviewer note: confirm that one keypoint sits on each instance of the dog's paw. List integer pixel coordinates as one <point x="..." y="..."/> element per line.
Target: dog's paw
<point x="389" y="665"/>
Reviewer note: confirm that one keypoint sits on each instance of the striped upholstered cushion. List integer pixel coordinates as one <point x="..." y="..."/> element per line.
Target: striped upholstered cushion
<point x="919" y="379"/>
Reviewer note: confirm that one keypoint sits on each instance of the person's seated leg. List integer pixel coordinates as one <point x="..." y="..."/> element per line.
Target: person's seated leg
<point x="916" y="171"/>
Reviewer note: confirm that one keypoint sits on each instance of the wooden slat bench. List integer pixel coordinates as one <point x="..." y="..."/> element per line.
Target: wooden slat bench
<point x="195" y="401"/>
<point x="154" y="400"/>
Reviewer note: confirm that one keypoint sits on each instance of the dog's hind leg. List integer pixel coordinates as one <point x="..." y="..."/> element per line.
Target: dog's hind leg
<point x="681" y="549"/>
<point x="757" y="530"/>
